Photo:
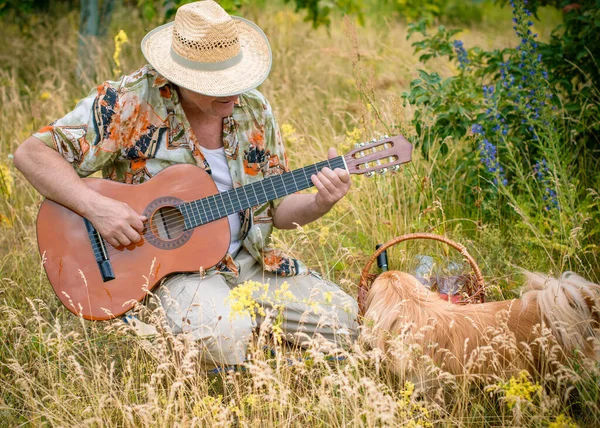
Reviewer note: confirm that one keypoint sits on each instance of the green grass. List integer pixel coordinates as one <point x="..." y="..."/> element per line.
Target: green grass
<point x="58" y="370"/>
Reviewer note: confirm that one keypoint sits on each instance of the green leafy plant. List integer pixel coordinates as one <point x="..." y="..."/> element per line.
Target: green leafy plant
<point x="445" y="107"/>
<point x="318" y="11"/>
<point x="572" y="57"/>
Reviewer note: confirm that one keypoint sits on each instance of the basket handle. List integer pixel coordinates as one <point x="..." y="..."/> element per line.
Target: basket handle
<point x="366" y="278"/>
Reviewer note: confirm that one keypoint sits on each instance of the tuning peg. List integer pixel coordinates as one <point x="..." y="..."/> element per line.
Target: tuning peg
<point x="369" y="174"/>
<point x="382" y="171"/>
<point x="395" y="168"/>
<point x="374" y="140"/>
<point x="386" y="136"/>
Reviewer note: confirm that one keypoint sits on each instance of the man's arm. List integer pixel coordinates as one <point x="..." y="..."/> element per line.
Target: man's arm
<point x="301" y="209"/>
<point x="56" y="179"/>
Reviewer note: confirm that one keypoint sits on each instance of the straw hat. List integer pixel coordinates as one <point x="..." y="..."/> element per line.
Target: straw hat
<point x="208" y="51"/>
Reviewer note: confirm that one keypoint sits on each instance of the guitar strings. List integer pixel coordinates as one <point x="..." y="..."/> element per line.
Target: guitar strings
<point x="168" y="219"/>
<point x="180" y="216"/>
<point x="276" y="187"/>
<point x="282" y="185"/>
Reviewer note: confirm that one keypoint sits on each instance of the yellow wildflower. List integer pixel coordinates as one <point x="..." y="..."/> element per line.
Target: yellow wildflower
<point x="409" y="388"/>
<point x="324" y="235"/>
<point x="562" y="421"/>
<point x="520" y="389"/>
<point x="250" y="401"/>
<point x="45" y="96"/>
<point x="287" y="130"/>
<point x="352" y="137"/>
<point x="413" y="413"/>
<point x="283" y="294"/>
<point x="6" y="181"/>
<point x="5" y="221"/>
<point x="241" y="300"/>
<point x="120" y="39"/>
<point x="277" y="331"/>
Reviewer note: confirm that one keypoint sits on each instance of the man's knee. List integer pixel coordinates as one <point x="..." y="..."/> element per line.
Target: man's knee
<point x="206" y="317"/>
<point x="339" y="317"/>
<point x="225" y="339"/>
<point x="325" y="310"/>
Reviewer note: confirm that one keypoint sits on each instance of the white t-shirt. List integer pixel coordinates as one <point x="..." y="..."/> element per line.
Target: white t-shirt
<point x="222" y="178"/>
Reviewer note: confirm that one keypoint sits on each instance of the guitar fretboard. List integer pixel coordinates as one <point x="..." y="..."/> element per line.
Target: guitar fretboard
<point x="211" y="208"/>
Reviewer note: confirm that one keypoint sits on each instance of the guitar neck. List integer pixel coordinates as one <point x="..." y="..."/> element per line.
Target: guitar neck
<point x="211" y="208"/>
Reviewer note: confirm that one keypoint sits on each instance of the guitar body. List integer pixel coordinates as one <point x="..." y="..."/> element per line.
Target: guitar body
<point x="70" y="255"/>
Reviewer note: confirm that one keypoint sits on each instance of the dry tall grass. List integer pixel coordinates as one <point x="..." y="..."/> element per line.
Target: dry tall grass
<point x="327" y="90"/>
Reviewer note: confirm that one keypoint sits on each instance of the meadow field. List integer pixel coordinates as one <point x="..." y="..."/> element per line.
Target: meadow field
<point x="329" y="87"/>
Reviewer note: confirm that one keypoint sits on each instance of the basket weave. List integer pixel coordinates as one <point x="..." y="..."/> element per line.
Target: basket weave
<point x="474" y="285"/>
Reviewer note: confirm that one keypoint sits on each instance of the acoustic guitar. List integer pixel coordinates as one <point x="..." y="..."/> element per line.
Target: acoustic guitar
<point x="187" y="228"/>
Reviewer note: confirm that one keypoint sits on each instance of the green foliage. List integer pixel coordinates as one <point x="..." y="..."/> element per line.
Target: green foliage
<point x="450" y="11"/>
<point x="318" y="11"/>
<point x="572" y="56"/>
<point x="438" y="44"/>
<point x="25" y="6"/>
<point x="22" y="10"/>
<point x="417" y="9"/>
<point x="523" y="154"/>
<point x="446" y="107"/>
<point x="164" y="10"/>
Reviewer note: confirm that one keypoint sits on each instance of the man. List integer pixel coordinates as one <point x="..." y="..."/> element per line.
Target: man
<point x="196" y="103"/>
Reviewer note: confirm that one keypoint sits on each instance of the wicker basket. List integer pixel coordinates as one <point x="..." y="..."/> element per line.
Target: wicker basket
<point x="474" y="286"/>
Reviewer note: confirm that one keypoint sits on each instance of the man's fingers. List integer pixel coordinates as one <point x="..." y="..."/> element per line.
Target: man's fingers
<point x="114" y="242"/>
<point x="123" y="239"/>
<point x="132" y="235"/>
<point x="343" y="175"/>
<point x="317" y="182"/>
<point x="138" y="224"/>
<point x="328" y="178"/>
<point x="337" y="177"/>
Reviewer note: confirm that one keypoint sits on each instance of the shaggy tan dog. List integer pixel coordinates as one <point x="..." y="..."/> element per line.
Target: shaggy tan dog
<point x="554" y="320"/>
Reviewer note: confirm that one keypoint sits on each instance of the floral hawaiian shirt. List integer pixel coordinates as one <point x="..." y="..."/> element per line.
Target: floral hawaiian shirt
<point x="133" y="128"/>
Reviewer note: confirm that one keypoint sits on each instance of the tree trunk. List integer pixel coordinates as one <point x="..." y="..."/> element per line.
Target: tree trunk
<point x="94" y="21"/>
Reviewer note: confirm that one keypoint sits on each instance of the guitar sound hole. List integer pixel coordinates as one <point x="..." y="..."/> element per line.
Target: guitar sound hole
<point x="167" y="223"/>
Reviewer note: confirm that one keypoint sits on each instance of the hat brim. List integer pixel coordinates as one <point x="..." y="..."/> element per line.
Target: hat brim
<point x="247" y="74"/>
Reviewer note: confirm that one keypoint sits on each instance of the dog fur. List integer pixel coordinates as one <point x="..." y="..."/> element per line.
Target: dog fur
<point x="554" y="320"/>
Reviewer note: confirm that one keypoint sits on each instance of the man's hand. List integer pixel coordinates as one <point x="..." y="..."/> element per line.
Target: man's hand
<point x="57" y="180"/>
<point x="116" y="221"/>
<point x="331" y="185"/>
<point x="302" y="208"/>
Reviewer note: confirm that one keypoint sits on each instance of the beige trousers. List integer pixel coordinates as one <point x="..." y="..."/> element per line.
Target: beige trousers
<point x="203" y="307"/>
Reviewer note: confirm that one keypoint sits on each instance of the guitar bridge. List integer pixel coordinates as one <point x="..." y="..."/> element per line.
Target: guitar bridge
<point x="100" y="253"/>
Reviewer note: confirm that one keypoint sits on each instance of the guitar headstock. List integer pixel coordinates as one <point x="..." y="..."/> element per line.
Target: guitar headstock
<point x="387" y="153"/>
